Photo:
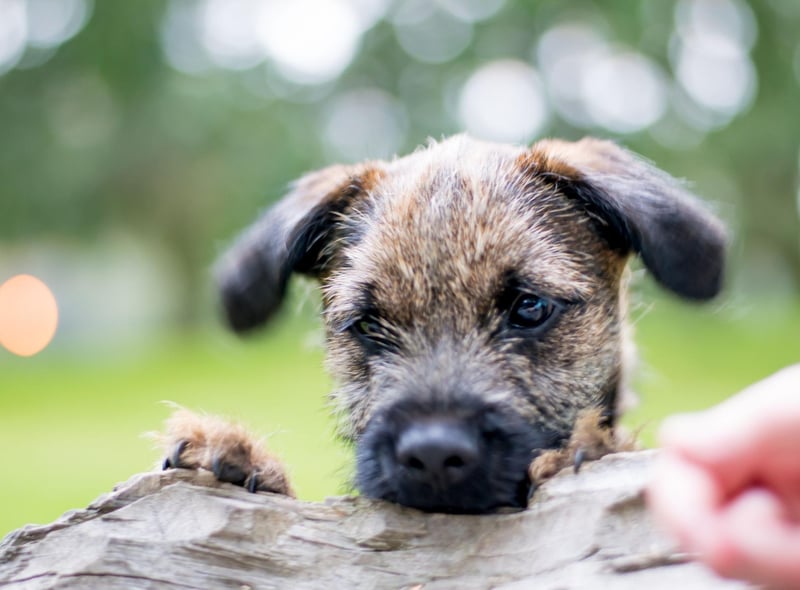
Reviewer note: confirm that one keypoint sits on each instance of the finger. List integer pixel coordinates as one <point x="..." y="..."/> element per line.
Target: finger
<point x="684" y="500"/>
<point x="711" y="442"/>
<point x="754" y="432"/>
<point x="787" y="490"/>
<point x="761" y="543"/>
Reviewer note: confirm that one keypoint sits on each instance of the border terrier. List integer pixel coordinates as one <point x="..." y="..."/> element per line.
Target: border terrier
<point x="474" y="304"/>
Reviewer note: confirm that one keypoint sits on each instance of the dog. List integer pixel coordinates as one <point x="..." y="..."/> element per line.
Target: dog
<point x="474" y="304"/>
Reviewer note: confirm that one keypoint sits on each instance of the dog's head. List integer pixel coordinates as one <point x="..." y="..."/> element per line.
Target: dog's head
<point x="473" y="299"/>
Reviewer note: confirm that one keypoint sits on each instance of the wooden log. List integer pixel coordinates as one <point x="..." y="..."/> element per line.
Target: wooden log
<point x="183" y="529"/>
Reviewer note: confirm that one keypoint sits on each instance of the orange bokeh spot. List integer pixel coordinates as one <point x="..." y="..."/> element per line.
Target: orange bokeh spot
<point x="28" y="315"/>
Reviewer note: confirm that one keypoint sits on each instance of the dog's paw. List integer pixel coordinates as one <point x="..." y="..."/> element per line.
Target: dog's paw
<point x="591" y="439"/>
<point x="194" y="441"/>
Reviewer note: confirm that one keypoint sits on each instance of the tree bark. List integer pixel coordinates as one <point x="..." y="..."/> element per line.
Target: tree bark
<point x="183" y="529"/>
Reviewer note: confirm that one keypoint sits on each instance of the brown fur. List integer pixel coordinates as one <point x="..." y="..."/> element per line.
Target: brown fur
<point x="425" y="248"/>
<point x="591" y="439"/>
<point x="439" y="252"/>
<point x="194" y="441"/>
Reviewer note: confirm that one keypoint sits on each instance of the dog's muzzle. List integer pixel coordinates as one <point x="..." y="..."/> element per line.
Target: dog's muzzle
<point x="469" y="458"/>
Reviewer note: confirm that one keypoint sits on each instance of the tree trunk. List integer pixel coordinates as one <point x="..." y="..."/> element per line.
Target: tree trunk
<point x="183" y="529"/>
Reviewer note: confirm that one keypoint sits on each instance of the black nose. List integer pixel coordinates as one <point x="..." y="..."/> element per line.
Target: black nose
<point x="440" y="451"/>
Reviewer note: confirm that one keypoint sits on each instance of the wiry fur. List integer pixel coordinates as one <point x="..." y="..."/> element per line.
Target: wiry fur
<point x="434" y="258"/>
<point x="431" y="249"/>
<point x="590" y="440"/>
<point x="195" y="441"/>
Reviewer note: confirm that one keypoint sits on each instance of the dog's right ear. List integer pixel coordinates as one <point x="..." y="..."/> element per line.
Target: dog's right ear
<point x="641" y="209"/>
<point x="292" y="236"/>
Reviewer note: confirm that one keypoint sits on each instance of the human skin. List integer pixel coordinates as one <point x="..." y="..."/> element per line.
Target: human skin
<point x="727" y="482"/>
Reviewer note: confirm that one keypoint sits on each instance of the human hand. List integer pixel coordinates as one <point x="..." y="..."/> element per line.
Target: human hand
<point x="727" y="483"/>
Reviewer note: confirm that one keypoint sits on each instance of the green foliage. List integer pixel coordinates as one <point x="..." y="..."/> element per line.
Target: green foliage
<point x="105" y="134"/>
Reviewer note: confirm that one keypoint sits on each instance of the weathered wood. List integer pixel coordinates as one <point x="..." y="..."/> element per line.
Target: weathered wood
<point x="182" y="529"/>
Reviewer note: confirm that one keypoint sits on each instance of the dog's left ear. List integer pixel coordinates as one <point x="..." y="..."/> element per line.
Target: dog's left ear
<point x="641" y="209"/>
<point x="297" y="234"/>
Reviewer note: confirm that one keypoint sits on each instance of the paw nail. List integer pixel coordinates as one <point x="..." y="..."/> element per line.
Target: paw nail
<point x="174" y="460"/>
<point x="227" y="472"/>
<point x="580" y="456"/>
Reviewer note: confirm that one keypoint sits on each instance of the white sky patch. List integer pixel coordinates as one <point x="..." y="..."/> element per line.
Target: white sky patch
<point x="624" y="91"/>
<point x="504" y="101"/>
<point x="365" y="123"/>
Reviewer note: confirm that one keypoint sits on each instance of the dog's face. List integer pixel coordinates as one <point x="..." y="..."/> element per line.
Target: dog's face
<point x="473" y="298"/>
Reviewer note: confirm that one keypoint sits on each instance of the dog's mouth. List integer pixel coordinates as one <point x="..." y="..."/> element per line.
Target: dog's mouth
<point x="467" y="460"/>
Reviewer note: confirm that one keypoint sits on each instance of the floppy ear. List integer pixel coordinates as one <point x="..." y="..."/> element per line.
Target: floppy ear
<point x="292" y="236"/>
<point x="643" y="209"/>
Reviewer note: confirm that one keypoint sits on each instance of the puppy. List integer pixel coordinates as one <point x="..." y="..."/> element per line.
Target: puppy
<point x="474" y="303"/>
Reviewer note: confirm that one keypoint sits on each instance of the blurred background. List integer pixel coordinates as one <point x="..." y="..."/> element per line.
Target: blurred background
<point x="136" y="138"/>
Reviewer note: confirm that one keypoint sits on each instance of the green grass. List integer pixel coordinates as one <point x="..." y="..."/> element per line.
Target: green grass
<point x="692" y="357"/>
<point x="71" y="424"/>
<point x="72" y="427"/>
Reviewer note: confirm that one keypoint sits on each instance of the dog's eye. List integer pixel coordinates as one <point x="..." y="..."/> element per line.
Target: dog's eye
<point x="373" y="334"/>
<point x="530" y="311"/>
<point x="368" y="327"/>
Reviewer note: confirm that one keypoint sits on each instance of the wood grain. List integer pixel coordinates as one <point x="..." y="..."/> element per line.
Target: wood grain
<point x="183" y="529"/>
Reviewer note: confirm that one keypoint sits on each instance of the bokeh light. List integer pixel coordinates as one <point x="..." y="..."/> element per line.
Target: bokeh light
<point x="592" y="83"/>
<point x="311" y="41"/>
<point x="436" y="38"/>
<point x="52" y="22"/>
<point x="504" y="101"/>
<point x="624" y="91"/>
<point x="28" y="315"/>
<point x="37" y="24"/>
<point x="227" y="31"/>
<point x="472" y="10"/>
<point x="13" y="33"/>
<point x="566" y="54"/>
<point x="364" y="124"/>
<point x="710" y="54"/>
<point x="308" y="41"/>
<point x="181" y="41"/>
